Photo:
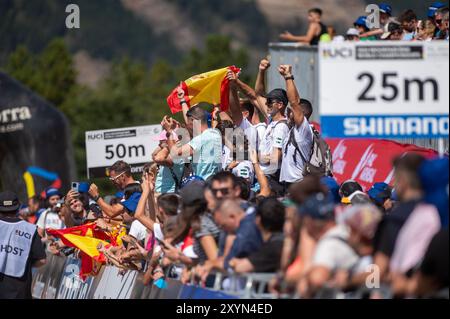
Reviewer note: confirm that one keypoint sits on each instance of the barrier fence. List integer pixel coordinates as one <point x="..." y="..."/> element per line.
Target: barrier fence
<point x="59" y="279"/>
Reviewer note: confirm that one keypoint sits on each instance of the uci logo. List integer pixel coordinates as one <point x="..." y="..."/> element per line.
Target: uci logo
<point x="95" y="136"/>
<point x="337" y="53"/>
<point x="23" y="234"/>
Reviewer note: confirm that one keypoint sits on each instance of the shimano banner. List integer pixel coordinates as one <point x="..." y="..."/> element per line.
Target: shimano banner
<point x="384" y="89"/>
<point x="35" y="146"/>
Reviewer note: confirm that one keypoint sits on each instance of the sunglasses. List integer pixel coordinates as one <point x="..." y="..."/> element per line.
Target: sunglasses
<point x="113" y="179"/>
<point x="223" y="191"/>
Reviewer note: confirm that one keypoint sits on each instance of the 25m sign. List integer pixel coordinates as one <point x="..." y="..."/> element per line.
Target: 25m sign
<point x="378" y="90"/>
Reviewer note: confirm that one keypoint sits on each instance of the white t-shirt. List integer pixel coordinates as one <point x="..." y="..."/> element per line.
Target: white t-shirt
<point x="332" y="252"/>
<point x="138" y="230"/>
<point x="274" y="137"/>
<point x="50" y="219"/>
<point x="261" y="129"/>
<point x="250" y="132"/>
<point x="292" y="164"/>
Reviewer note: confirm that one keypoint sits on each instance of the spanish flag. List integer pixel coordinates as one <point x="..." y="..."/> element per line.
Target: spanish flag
<point x="210" y="87"/>
<point x="86" y="238"/>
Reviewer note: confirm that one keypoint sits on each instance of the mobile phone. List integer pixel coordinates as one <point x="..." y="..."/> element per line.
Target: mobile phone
<point x="75" y="186"/>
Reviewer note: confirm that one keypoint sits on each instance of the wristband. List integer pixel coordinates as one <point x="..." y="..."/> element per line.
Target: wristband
<point x="290" y="77"/>
<point x="183" y="101"/>
<point x="96" y="198"/>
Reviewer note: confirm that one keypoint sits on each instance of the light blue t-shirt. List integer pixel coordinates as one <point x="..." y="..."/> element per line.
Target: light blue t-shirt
<point x="207" y="158"/>
<point x="164" y="180"/>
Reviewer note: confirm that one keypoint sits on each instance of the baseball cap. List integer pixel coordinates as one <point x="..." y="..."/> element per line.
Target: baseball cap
<point x="363" y="218"/>
<point x="187" y="180"/>
<point x="435" y="6"/>
<point x="9" y="202"/>
<point x="347" y="188"/>
<point x="333" y="187"/>
<point x="389" y="28"/>
<point x="279" y="95"/>
<point x="194" y="191"/>
<point x="242" y="170"/>
<point x="49" y="192"/>
<point x="361" y="22"/>
<point x="352" y="32"/>
<point x="385" y="8"/>
<point x="379" y="192"/>
<point x="318" y="206"/>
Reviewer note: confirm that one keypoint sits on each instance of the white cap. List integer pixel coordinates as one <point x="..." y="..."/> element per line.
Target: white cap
<point x="352" y="31"/>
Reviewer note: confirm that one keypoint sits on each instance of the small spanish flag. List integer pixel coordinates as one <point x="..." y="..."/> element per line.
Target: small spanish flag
<point x="210" y="87"/>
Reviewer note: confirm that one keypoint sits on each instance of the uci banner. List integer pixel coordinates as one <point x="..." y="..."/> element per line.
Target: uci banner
<point x="384" y="89"/>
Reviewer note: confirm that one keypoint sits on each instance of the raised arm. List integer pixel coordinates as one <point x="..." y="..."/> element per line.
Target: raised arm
<point x="109" y="210"/>
<point x="312" y="30"/>
<point x="292" y="93"/>
<point x="262" y="179"/>
<point x="184" y="105"/>
<point x="260" y="87"/>
<point x="235" y="106"/>
<point x="146" y="197"/>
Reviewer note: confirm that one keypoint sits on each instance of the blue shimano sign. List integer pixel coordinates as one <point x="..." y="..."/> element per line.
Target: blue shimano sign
<point x="384" y="89"/>
<point x="385" y="126"/>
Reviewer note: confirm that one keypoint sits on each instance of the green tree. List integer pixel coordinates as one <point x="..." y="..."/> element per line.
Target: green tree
<point x="51" y="74"/>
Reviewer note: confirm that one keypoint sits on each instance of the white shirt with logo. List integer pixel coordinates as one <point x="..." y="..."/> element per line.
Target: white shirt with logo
<point x="292" y="168"/>
<point x="274" y="137"/>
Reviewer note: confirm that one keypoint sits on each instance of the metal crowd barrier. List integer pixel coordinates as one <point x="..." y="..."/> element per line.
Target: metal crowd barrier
<point x="59" y="279"/>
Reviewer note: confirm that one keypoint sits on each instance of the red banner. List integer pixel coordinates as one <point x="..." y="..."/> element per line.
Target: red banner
<point x="369" y="160"/>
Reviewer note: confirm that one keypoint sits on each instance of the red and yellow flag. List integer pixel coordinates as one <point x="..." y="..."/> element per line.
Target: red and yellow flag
<point x="86" y="238"/>
<point x="210" y="87"/>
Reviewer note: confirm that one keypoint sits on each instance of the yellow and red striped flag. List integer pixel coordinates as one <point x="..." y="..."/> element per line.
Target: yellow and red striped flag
<point x="210" y="87"/>
<point x="86" y="238"/>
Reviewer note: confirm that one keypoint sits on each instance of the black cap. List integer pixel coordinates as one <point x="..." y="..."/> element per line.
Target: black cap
<point x="9" y="202"/>
<point x="193" y="192"/>
<point x="318" y="206"/>
<point x="279" y="95"/>
<point x="349" y="187"/>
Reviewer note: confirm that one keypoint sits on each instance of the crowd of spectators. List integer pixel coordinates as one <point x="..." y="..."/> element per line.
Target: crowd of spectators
<point x="251" y="190"/>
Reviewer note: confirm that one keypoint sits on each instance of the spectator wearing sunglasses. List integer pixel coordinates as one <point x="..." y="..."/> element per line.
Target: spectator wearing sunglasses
<point x="441" y="21"/>
<point x="120" y="176"/>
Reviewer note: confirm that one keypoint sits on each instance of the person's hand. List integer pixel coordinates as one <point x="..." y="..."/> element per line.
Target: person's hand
<point x="171" y="252"/>
<point x="93" y="191"/>
<point x="180" y="92"/>
<point x="285" y="70"/>
<point x="286" y="35"/>
<point x="70" y="197"/>
<point x="232" y="77"/>
<point x="264" y="64"/>
<point x="147" y="182"/>
<point x="167" y="124"/>
<point x="233" y="263"/>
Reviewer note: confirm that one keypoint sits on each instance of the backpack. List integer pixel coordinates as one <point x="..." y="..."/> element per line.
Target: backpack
<point x="321" y="161"/>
